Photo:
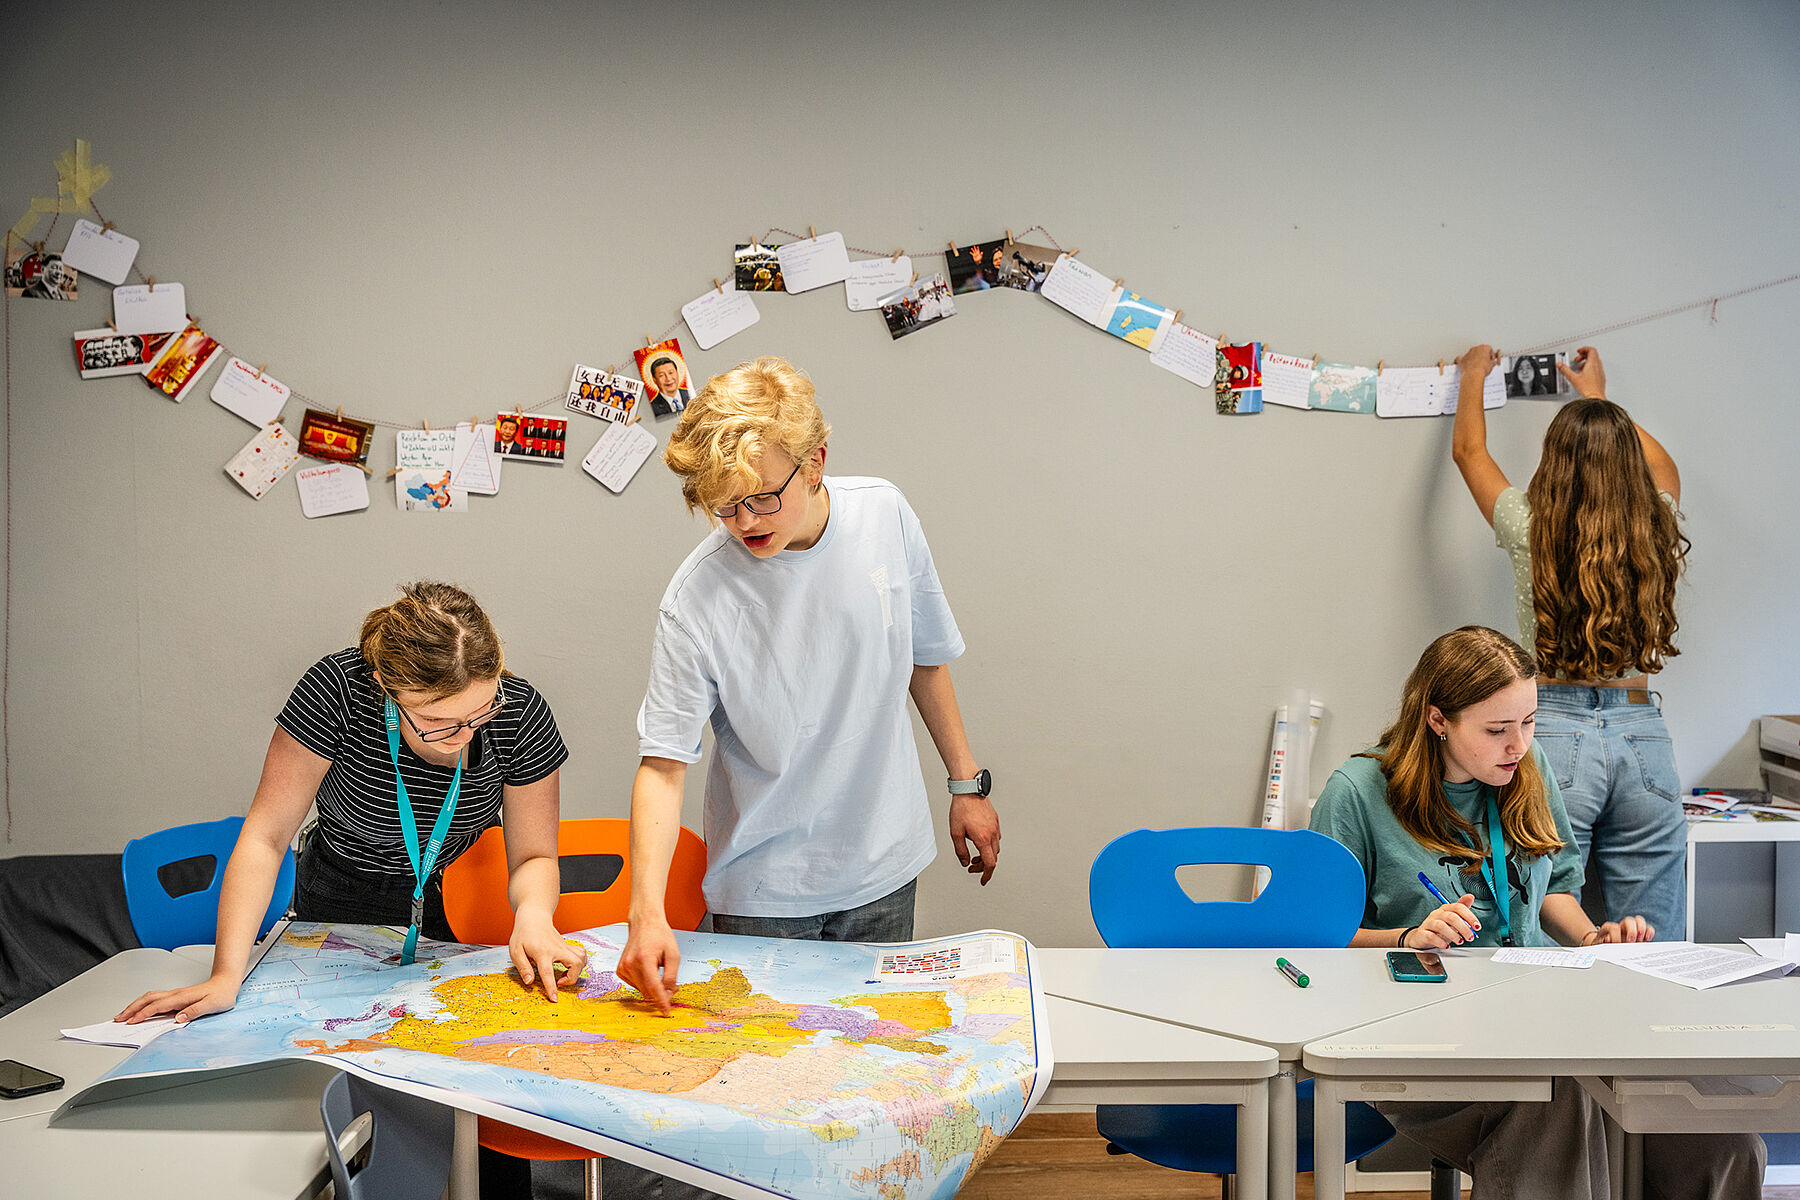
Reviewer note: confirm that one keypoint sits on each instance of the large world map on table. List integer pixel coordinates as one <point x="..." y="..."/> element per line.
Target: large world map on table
<point x="801" y="1069"/>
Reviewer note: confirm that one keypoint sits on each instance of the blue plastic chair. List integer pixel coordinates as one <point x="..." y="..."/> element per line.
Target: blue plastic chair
<point x="172" y="882"/>
<point x="408" y="1141"/>
<point x="1314" y="897"/>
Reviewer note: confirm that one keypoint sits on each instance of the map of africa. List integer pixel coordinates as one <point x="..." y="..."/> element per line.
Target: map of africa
<point x="802" y="1069"/>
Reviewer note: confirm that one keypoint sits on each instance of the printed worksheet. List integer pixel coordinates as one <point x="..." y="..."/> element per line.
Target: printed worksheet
<point x="1688" y="963"/>
<point x="813" y="262"/>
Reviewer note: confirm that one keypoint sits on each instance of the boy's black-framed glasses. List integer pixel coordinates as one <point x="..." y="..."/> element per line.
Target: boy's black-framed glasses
<point x="455" y="727"/>
<point x="761" y="503"/>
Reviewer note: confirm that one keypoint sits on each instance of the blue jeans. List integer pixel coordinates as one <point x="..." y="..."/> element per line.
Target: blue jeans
<point x="1616" y="767"/>
<point x="889" y="919"/>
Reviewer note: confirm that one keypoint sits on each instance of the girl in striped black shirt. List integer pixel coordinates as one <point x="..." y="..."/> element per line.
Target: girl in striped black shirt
<point x="462" y="719"/>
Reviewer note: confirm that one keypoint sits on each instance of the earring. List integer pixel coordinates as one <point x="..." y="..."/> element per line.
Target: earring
<point x="1444" y="737"/>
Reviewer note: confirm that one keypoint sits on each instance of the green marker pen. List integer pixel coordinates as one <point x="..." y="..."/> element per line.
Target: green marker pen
<point x="1293" y="973"/>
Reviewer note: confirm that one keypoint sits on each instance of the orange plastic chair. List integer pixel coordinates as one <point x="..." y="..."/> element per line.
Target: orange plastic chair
<point x="476" y="907"/>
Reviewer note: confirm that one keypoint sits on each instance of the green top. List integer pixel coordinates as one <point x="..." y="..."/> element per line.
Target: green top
<point x="1353" y="809"/>
<point x="1512" y="533"/>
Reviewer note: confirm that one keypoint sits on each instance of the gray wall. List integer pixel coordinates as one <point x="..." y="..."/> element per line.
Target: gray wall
<point x="438" y="209"/>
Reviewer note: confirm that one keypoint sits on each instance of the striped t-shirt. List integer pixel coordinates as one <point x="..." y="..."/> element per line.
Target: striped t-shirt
<point x="337" y="712"/>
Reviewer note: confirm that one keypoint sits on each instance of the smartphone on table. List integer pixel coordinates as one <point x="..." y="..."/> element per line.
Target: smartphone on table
<point x="1410" y="966"/>
<point x="17" y="1079"/>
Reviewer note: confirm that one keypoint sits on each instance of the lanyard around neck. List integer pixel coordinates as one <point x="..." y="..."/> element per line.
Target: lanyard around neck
<point x="409" y="832"/>
<point x="1493" y="869"/>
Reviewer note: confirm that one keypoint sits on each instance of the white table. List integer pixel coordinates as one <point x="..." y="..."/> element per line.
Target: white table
<point x="1786" y="838"/>
<point x="1605" y="1025"/>
<point x="1239" y="994"/>
<point x="257" y="1133"/>
<point x="254" y="1134"/>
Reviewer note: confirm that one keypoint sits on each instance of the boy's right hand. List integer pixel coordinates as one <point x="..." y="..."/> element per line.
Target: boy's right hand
<point x="650" y="961"/>
<point x="198" y="1000"/>
<point x="1448" y="925"/>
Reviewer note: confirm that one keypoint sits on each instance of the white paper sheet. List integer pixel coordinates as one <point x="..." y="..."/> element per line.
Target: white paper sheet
<point x="873" y="278"/>
<point x="1493" y="389"/>
<point x="1688" y="963"/>
<point x="327" y="491"/>
<point x="424" y="458"/>
<point x="240" y="390"/>
<point x="140" y="310"/>
<point x="118" y="1033"/>
<point x="718" y="314"/>
<point x="104" y="254"/>
<point x="618" y="454"/>
<point x="474" y="467"/>
<point x="1074" y="285"/>
<point x="813" y="262"/>
<point x="265" y="458"/>
<point x="1286" y="380"/>
<point x="1188" y="353"/>
<point x="1546" y="956"/>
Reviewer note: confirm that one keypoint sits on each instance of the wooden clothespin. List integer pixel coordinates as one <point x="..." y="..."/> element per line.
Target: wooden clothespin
<point x="812" y="235"/>
<point x="1315" y="362"/>
<point x="716" y="287"/>
<point x="340" y="415"/>
<point x="1379" y="363"/>
<point x="261" y="367"/>
<point x="1009" y="237"/>
<point x="649" y="339"/>
<point x="613" y="370"/>
<point x="915" y="277"/>
<point x="1176" y="319"/>
<point x="38" y="246"/>
<point x="1222" y="341"/>
<point x="1440" y="366"/>
<point x="364" y="468"/>
<point x="152" y="282"/>
<point x="1119" y="283"/>
<point x="1074" y="252"/>
<point x="474" y="420"/>
<point x="519" y="409"/>
<point x="897" y="253"/>
<point x="111" y="326"/>
<point x="953" y="250"/>
<point x="426" y="424"/>
<point x="106" y="227"/>
<point x="391" y="473"/>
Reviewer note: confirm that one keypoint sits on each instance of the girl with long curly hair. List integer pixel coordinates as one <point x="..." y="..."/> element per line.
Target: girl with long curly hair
<point x="1596" y="550"/>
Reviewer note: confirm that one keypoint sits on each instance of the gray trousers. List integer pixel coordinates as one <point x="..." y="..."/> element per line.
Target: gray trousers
<point x="1529" y="1151"/>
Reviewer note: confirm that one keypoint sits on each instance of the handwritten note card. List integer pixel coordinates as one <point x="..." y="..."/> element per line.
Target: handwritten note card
<point x="813" y="262"/>
<point x="1188" y="353"/>
<point x="1286" y="380"/>
<point x="474" y="467"/>
<point x="141" y="310"/>
<point x="720" y="313"/>
<point x="256" y="397"/>
<point x="618" y="454"/>
<point x="424" y="458"/>
<point x="1079" y="288"/>
<point x="873" y="278"/>
<point x="327" y="491"/>
<point x="264" y="459"/>
<point x="1493" y="389"/>
<point x="103" y="253"/>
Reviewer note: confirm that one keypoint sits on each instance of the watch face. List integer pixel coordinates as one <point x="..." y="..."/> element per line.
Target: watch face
<point x="983" y="782"/>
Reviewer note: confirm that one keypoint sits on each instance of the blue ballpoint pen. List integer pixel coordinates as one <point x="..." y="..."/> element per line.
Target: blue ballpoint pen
<point x="1430" y="887"/>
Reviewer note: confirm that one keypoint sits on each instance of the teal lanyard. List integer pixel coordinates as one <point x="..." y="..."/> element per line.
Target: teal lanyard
<point x="1493" y="869"/>
<point x="409" y="832"/>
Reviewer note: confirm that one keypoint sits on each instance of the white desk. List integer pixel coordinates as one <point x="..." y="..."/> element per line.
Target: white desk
<point x="1785" y="835"/>
<point x="254" y="1134"/>
<point x="1239" y="994"/>
<point x="258" y="1134"/>
<point x="1603" y="1025"/>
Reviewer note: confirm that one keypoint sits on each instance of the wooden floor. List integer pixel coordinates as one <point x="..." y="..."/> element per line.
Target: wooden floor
<point x="1059" y="1154"/>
